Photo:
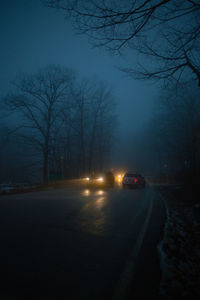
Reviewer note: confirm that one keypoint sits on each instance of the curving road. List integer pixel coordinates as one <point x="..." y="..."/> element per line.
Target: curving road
<point x="75" y="243"/>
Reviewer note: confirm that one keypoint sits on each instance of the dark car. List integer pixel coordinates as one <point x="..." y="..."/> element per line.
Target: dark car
<point x="133" y="180"/>
<point x="103" y="179"/>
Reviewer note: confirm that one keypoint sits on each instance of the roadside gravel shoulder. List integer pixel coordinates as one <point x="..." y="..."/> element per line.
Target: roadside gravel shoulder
<point x="180" y="248"/>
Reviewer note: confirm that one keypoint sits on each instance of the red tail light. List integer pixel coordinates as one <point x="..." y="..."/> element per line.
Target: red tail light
<point x="135" y="180"/>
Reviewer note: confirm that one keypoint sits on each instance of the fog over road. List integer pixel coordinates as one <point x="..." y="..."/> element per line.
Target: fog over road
<point x="75" y="243"/>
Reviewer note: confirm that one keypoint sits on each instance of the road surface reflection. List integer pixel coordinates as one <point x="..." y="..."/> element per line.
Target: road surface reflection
<point x="92" y="215"/>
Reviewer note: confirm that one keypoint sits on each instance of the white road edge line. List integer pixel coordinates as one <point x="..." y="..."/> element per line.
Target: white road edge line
<point x="120" y="292"/>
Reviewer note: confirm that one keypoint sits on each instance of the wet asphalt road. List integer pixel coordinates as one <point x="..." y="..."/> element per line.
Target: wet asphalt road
<point x="80" y="244"/>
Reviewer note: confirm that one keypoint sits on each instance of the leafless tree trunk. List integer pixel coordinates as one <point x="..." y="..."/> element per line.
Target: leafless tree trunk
<point x="102" y="108"/>
<point x="40" y="100"/>
<point x="81" y="96"/>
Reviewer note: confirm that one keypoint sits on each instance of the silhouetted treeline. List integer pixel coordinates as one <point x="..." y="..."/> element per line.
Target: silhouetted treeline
<point x="175" y="133"/>
<point x="168" y="147"/>
<point x="64" y="125"/>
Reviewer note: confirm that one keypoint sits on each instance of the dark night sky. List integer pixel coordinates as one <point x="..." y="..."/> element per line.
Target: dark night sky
<point x="33" y="36"/>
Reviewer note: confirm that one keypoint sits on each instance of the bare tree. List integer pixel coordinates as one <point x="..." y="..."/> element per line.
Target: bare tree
<point x="171" y="55"/>
<point x="92" y="116"/>
<point x="84" y="141"/>
<point x="40" y="100"/>
<point x="101" y="116"/>
<point x="115" y="23"/>
<point x="166" y="31"/>
<point x="81" y="95"/>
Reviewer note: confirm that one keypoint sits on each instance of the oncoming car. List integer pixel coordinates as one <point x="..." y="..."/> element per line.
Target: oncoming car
<point x="105" y="179"/>
<point x="133" y="180"/>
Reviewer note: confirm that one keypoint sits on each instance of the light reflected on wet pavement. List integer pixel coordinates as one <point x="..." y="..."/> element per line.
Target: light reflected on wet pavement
<point x="88" y="192"/>
<point x="100" y="192"/>
<point x="92" y="218"/>
<point x="100" y="202"/>
<point x="85" y="192"/>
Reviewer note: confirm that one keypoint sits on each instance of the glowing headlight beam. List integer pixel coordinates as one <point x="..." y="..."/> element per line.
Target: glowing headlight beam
<point x="100" y="179"/>
<point x="119" y="178"/>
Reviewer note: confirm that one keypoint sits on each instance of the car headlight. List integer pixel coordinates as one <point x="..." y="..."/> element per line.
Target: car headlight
<point x="87" y="178"/>
<point x="100" y="179"/>
<point x="119" y="178"/>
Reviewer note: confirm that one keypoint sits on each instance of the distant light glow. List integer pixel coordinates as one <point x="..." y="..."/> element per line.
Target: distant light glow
<point x="100" y="202"/>
<point x="100" y="179"/>
<point x="87" y="178"/>
<point x="119" y="178"/>
<point x="100" y="193"/>
<point x="86" y="192"/>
